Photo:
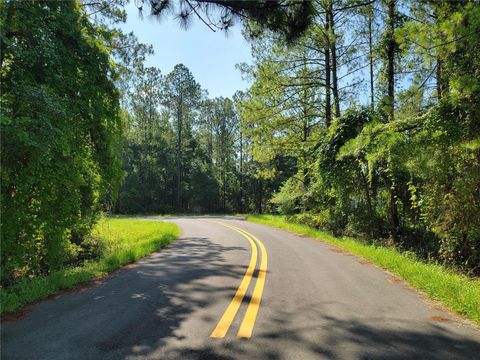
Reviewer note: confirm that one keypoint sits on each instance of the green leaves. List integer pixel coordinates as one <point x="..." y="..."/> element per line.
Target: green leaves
<point x="60" y="128"/>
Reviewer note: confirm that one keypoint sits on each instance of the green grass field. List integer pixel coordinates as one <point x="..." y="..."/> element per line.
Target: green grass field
<point x="458" y="292"/>
<point x="121" y="241"/>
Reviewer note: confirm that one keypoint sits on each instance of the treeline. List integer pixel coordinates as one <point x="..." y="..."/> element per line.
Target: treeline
<point x="405" y="165"/>
<point x="181" y="149"/>
<point x="187" y="153"/>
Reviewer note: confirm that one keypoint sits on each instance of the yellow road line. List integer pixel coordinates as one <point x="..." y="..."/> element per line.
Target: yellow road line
<point x="229" y="314"/>
<point x="246" y="328"/>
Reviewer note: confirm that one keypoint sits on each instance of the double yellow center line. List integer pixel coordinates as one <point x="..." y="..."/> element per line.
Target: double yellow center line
<point x="246" y="327"/>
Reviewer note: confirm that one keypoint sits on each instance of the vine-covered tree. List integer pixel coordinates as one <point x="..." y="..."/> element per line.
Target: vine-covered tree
<point x="60" y="126"/>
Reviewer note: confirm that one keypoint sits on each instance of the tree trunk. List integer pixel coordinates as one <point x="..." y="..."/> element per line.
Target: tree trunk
<point x="394" y="212"/>
<point x="333" y="50"/>
<point x="260" y="196"/>
<point x="224" y="188"/>
<point x="210" y="142"/>
<point x="328" y="101"/>
<point x="366" y="188"/>
<point x="370" y="49"/>
<point x="439" y="79"/>
<point x="179" y="156"/>
<point x="241" y="171"/>
<point x="391" y="47"/>
<point x="441" y="83"/>
<point x="4" y="31"/>
<point x="391" y="60"/>
<point x="305" y="127"/>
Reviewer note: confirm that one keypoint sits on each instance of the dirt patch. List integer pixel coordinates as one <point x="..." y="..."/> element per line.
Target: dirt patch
<point x="437" y="306"/>
<point x="392" y="279"/>
<point x="411" y="288"/>
<point x="395" y="281"/>
<point x="17" y="315"/>
<point x="337" y="250"/>
<point x="439" y="318"/>
<point x="364" y="262"/>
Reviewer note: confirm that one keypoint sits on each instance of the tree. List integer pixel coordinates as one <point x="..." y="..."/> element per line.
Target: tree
<point x="60" y="127"/>
<point x="284" y="99"/>
<point x="148" y="144"/>
<point x="181" y="97"/>
<point x="290" y="18"/>
<point x="225" y="125"/>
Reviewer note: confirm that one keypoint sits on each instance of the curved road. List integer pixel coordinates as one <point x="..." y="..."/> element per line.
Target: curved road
<point x="216" y="294"/>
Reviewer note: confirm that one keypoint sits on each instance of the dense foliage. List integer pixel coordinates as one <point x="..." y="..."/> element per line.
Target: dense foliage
<point x="407" y="167"/>
<point x="60" y="129"/>
<point x="183" y="151"/>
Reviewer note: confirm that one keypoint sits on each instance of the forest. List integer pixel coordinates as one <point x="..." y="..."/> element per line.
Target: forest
<point x="361" y="118"/>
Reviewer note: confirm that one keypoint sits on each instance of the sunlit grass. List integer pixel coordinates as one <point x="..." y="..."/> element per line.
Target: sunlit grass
<point x="458" y="292"/>
<point x="121" y="241"/>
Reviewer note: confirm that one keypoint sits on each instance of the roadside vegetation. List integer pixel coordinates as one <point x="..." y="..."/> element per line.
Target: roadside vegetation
<point x="458" y="292"/>
<point x="361" y="118"/>
<point x="112" y="243"/>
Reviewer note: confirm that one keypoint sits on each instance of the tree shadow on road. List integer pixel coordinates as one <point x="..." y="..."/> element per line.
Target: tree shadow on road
<point x="131" y="313"/>
<point x="143" y="312"/>
<point x="331" y="337"/>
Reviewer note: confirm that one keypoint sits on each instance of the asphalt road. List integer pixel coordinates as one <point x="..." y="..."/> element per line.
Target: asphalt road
<point x="302" y="299"/>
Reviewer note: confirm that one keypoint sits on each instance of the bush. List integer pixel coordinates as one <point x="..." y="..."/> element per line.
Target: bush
<point x="321" y="221"/>
<point x="288" y="199"/>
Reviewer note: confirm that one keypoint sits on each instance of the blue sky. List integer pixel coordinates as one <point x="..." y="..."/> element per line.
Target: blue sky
<point x="211" y="56"/>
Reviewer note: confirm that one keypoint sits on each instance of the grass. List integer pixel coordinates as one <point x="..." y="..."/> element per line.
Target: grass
<point x="122" y="241"/>
<point x="458" y="292"/>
